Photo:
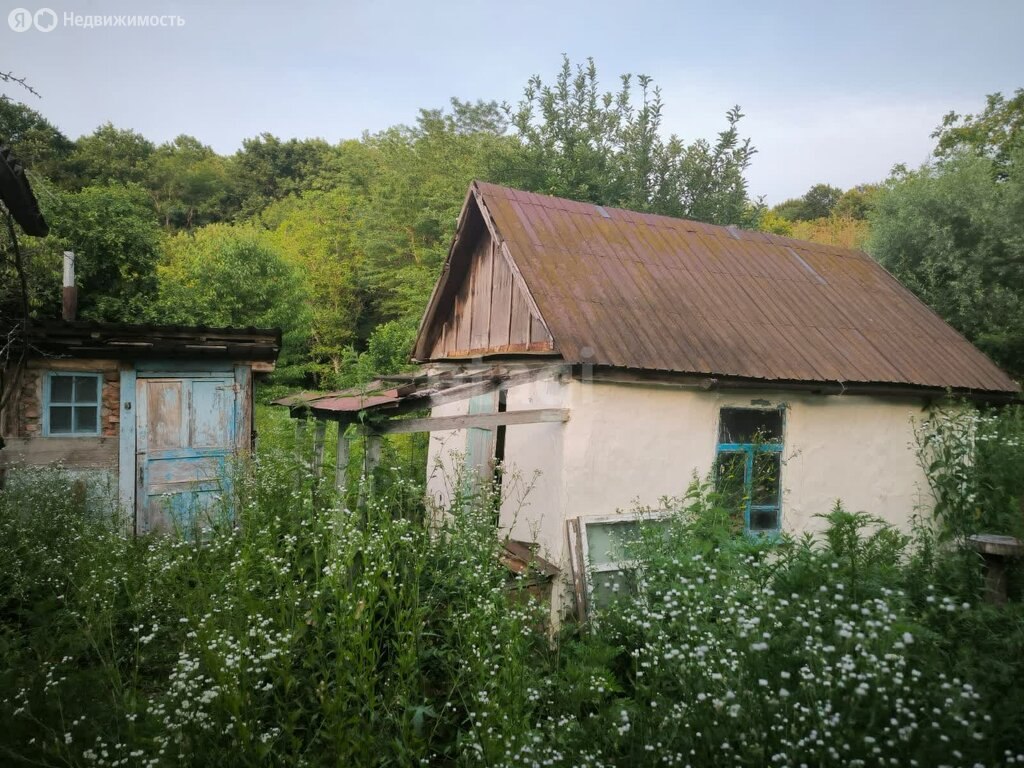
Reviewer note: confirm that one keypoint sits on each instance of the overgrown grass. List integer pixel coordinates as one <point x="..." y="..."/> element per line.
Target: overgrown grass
<point x="308" y="634"/>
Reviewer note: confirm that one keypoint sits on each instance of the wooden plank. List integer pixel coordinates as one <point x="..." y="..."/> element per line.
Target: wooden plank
<point x="73" y="452"/>
<point x="501" y="304"/>
<point x="341" y="464"/>
<point x="481" y="292"/>
<point x="522" y="318"/>
<point x="83" y="365"/>
<point x="500" y="380"/>
<point x="300" y="444"/>
<point x="126" y="445"/>
<point x="463" y="310"/>
<point x="467" y="421"/>
<point x="371" y="458"/>
<point x="319" y="433"/>
<point x="489" y="383"/>
<point x="538" y="333"/>
<point x="243" y="408"/>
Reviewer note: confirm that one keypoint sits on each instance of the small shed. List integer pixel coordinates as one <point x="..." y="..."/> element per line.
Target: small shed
<point x="605" y="358"/>
<point x="154" y="411"/>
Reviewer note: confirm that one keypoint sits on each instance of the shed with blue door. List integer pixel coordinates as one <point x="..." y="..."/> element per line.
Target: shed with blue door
<point x="153" y="413"/>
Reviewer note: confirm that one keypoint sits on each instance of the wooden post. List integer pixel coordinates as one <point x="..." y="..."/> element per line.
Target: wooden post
<point x="341" y="465"/>
<point x="371" y="458"/>
<point x="318" y="447"/>
<point x="300" y="440"/>
<point x="995" y="551"/>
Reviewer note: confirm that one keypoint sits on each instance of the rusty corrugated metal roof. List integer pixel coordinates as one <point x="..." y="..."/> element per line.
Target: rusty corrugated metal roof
<point x="648" y="292"/>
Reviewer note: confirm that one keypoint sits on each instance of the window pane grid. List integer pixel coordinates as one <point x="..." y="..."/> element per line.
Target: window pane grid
<point x="73" y="406"/>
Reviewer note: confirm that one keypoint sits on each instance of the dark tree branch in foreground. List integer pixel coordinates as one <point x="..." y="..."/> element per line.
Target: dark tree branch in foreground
<point x="8" y="77"/>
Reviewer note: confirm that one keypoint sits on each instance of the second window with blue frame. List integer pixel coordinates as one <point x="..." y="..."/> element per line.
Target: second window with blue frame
<point x="748" y="466"/>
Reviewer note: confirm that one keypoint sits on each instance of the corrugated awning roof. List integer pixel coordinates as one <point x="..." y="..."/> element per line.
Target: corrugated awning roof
<point x="641" y="291"/>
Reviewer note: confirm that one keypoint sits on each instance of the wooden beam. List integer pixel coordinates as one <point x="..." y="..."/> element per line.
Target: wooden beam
<point x="478" y="420"/>
<point x="319" y="433"/>
<point x="73" y="452"/>
<point x="341" y="464"/>
<point x="371" y="458"/>
<point x="487" y="383"/>
<point x="300" y="441"/>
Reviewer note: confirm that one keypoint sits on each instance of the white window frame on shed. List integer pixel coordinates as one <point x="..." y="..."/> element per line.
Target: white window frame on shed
<point x="49" y="403"/>
<point x="583" y="566"/>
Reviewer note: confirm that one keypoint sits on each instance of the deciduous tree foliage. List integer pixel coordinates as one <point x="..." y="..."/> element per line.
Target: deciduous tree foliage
<point x="953" y="232"/>
<point x="585" y="144"/>
<point x="316" y="236"/>
<point x="995" y="132"/>
<point x="230" y="275"/>
<point x="817" y="203"/>
<point x="116" y="241"/>
<point x="111" y="154"/>
<point x="37" y="142"/>
<point x="188" y="182"/>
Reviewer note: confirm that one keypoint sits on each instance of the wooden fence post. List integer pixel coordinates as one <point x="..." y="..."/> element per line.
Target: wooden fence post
<point x="318" y="447"/>
<point x="300" y="440"/>
<point x="371" y="458"/>
<point x="341" y="465"/>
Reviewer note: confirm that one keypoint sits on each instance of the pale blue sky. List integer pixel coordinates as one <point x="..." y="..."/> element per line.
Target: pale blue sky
<point x="833" y="91"/>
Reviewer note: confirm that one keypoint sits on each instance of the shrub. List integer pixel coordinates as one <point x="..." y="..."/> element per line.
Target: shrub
<point x="309" y="633"/>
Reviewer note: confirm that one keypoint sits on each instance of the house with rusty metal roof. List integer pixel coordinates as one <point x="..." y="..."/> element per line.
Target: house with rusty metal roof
<point x="605" y="359"/>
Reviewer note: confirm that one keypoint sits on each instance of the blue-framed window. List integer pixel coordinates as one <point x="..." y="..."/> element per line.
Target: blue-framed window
<point x="748" y="466"/>
<point x="72" y="404"/>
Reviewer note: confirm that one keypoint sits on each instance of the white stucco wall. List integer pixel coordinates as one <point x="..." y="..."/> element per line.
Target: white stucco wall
<point x="628" y="444"/>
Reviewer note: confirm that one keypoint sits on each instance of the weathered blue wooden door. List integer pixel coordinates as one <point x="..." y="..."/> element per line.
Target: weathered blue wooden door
<point x="186" y="434"/>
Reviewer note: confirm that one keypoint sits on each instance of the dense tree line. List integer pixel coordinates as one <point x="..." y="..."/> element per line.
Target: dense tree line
<point x="340" y="244"/>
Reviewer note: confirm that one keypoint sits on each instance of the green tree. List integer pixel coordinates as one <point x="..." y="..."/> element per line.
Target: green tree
<point x="35" y="140"/>
<point x="110" y="228"/>
<point x="856" y="202"/>
<point x="227" y="275"/>
<point x="315" y="233"/>
<point x="601" y="147"/>
<point x="996" y="132"/>
<point x="816" y="203"/>
<point x="267" y="168"/>
<point x="188" y="182"/>
<point x="953" y="233"/>
<point x="112" y="154"/>
<point x="408" y="213"/>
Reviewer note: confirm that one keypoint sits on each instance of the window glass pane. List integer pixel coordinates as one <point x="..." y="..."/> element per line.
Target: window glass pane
<point x="609" y="586"/>
<point x="607" y="542"/>
<point x="61" y="389"/>
<point x="85" y="389"/>
<point x="85" y="418"/>
<point x="60" y="419"/>
<point x="764" y="519"/>
<point x="730" y="480"/>
<point x="765" y="480"/>
<point x="750" y="425"/>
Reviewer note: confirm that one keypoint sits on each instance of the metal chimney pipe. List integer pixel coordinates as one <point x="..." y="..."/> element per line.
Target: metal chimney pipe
<point x="70" y="308"/>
